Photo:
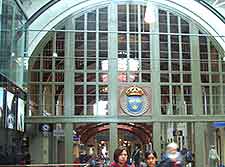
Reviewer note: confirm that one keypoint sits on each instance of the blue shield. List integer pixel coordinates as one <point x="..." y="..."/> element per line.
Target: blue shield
<point x="135" y="104"/>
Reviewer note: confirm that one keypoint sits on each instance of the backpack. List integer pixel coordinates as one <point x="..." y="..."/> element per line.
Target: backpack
<point x="189" y="156"/>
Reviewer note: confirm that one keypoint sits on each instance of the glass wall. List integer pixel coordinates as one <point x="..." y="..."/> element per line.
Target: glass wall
<point x="72" y="75"/>
<point x="134" y="58"/>
<point x="13" y="61"/>
<point x="12" y="69"/>
<point x="175" y="64"/>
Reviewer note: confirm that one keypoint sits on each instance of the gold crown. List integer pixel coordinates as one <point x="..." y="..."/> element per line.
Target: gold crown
<point x="134" y="91"/>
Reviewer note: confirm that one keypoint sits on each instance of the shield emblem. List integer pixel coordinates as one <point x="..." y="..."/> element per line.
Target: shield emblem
<point x="135" y="104"/>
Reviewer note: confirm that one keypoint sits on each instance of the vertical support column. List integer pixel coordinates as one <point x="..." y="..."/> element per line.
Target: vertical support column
<point x="156" y="137"/>
<point x="40" y="97"/>
<point x="200" y="159"/>
<point x="113" y="138"/>
<point x="0" y="20"/>
<point x="222" y="132"/>
<point x="53" y="104"/>
<point x="68" y="130"/>
<point x="69" y="90"/>
<point x="196" y="79"/>
<point x="45" y="149"/>
<point x="12" y="55"/>
<point x="37" y="145"/>
<point x="199" y="138"/>
<point x="53" y="139"/>
<point x="19" y="68"/>
<point x="53" y="148"/>
<point x="155" y="67"/>
<point x="113" y="82"/>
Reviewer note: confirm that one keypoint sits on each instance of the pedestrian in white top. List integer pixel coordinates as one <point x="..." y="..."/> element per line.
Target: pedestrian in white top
<point x="213" y="157"/>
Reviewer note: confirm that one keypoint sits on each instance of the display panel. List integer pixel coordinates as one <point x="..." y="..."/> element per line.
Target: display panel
<point x="20" y="115"/>
<point x="11" y="105"/>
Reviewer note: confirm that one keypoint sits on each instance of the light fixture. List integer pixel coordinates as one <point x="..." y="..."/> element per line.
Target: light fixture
<point x="54" y="54"/>
<point x="13" y="54"/>
<point x="224" y="58"/>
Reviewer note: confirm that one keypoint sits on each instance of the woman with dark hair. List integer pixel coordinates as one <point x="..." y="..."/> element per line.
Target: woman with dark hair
<point x="151" y="158"/>
<point x="120" y="157"/>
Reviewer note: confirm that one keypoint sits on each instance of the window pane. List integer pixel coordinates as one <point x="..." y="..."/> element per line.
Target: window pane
<point x="91" y="21"/>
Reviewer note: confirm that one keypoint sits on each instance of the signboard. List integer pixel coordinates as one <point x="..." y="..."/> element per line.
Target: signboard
<point x="58" y="132"/>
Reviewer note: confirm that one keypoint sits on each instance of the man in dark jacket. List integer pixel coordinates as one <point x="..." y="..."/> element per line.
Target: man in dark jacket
<point x="136" y="156"/>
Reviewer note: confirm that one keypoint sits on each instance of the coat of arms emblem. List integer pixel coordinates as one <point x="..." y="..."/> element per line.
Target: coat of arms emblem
<point x="134" y="101"/>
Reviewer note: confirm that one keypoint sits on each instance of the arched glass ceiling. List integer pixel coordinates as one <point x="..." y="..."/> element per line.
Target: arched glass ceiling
<point x="62" y="9"/>
<point x="34" y="8"/>
<point x="216" y="6"/>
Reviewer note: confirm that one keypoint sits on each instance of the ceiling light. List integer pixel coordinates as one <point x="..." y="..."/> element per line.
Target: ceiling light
<point x="54" y="54"/>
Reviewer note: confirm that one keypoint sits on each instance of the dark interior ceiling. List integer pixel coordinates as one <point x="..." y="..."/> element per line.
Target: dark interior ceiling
<point x="142" y="131"/>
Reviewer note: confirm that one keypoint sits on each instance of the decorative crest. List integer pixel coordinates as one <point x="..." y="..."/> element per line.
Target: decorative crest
<point x="134" y="91"/>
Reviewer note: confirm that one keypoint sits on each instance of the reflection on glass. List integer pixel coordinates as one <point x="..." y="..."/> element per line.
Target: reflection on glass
<point x="1" y="104"/>
<point x="20" y="115"/>
<point x="124" y="65"/>
<point x="101" y="108"/>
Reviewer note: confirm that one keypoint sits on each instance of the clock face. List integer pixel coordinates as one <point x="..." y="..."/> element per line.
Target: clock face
<point x="45" y="128"/>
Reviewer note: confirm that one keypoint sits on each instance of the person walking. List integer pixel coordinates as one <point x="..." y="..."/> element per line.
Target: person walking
<point x="120" y="158"/>
<point x="151" y="158"/>
<point x="188" y="156"/>
<point x="173" y="157"/>
<point x="136" y="156"/>
<point x="106" y="160"/>
<point x="213" y="157"/>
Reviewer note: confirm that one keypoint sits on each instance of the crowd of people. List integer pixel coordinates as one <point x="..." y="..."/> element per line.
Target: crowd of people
<point x="171" y="158"/>
<point x="10" y="156"/>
